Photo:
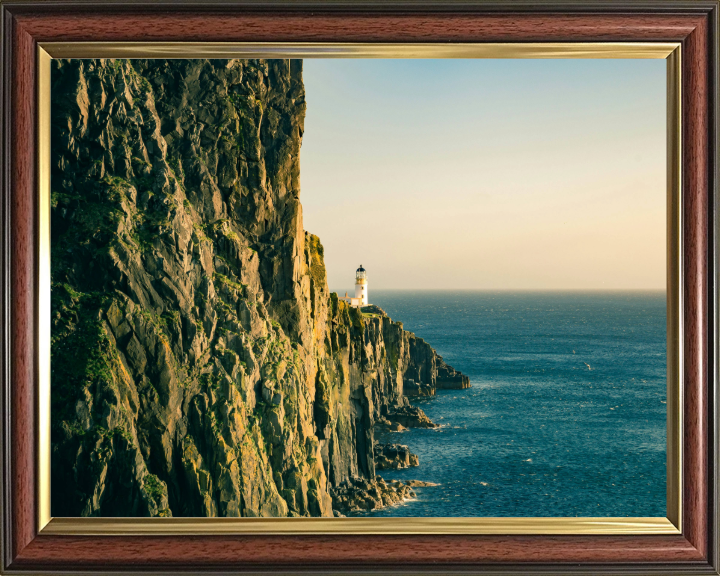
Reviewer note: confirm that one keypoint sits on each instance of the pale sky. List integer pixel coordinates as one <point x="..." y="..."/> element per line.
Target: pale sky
<point x="487" y="174"/>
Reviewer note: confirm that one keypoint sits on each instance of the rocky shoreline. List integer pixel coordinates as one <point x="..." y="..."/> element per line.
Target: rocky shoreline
<point x="358" y="495"/>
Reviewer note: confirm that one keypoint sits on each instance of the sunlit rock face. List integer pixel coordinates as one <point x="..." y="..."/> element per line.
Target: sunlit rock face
<point x="200" y="366"/>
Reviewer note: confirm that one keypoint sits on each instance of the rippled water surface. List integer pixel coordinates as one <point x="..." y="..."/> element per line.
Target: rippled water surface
<point x="566" y="414"/>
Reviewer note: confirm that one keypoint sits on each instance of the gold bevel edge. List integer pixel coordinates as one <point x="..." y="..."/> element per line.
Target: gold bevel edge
<point x="674" y="290"/>
<point x="392" y="525"/>
<point x="358" y="50"/>
<point x="43" y="173"/>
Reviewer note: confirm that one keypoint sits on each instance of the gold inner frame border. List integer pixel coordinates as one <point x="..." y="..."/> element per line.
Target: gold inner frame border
<point x="669" y="51"/>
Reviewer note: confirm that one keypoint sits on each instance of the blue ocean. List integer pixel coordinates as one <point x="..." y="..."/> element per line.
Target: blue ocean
<point x="567" y="411"/>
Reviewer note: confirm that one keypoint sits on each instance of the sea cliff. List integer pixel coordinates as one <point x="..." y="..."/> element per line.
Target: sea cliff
<point x="200" y="365"/>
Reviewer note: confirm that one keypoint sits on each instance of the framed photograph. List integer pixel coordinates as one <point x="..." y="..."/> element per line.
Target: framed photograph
<point x="301" y="287"/>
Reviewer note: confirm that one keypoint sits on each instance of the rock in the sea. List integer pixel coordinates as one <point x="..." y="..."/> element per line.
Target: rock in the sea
<point x="394" y="457"/>
<point x="410" y="417"/>
<point x="420" y="483"/>
<point x="360" y="494"/>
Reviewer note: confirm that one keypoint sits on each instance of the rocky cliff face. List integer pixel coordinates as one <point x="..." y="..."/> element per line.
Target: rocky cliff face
<point x="200" y="366"/>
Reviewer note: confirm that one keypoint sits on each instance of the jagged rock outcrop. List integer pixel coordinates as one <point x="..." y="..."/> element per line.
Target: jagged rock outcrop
<point x="361" y="494"/>
<point x="410" y="417"/>
<point x="200" y="366"/>
<point x="394" y="457"/>
<point x="382" y="424"/>
<point x="449" y="378"/>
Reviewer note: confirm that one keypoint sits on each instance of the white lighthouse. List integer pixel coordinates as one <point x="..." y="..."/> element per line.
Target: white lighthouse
<point x="361" y="293"/>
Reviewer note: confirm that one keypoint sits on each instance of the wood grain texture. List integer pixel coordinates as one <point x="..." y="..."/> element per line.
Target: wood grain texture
<point x="695" y="235"/>
<point x="358" y="551"/>
<point x="22" y="278"/>
<point x="659" y="554"/>
<point x="5" y="307"/>
<point x="330" y="27"/>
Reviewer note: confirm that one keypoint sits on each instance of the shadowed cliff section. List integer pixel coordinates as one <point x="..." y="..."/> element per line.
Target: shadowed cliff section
<point x="200" y="366"/>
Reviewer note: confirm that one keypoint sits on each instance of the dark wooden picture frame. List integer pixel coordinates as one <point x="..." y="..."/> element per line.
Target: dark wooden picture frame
<point x="693" y="23"/>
